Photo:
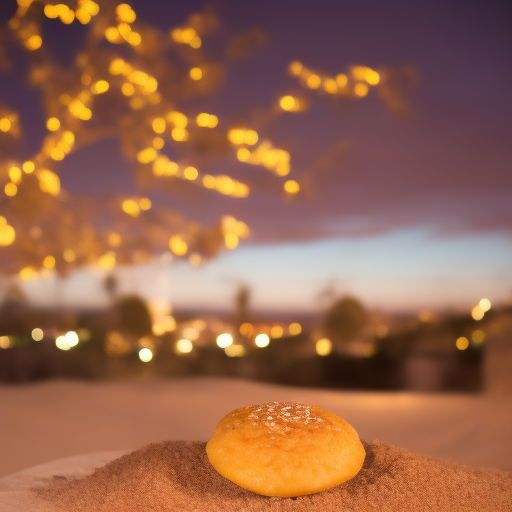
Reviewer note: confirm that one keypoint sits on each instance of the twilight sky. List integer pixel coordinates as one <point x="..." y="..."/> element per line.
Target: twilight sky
<point x="416" y="213"/>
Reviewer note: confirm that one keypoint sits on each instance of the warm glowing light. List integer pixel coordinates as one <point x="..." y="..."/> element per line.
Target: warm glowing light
<point x="5" y="342"/>
<point x="48" y="181"/>
<point x="231" y="240"/>
<point x="313" y="81"/>
<point x="100" y="87"/>
<point x="236" y="136"/>
<point x="131" y="207"/>
<point x="69" y="255"/>
<point x="184" y="346"/>
<point x="235" y="350"/>
<point x="28" y="273"/>
<point x="15" y="174"/>
<point x="207" y="120"/>
<point x="145" y="355"/>
<point x="147" y="155"/>
<point x="295" y="68"/>
<point x="276" y="331"/>
<point x="485" y="304"/>
<point x="289" y="103"/>
<point x="331" y="86"/>
<point x="159" y="125"/>
<point x="158" y="143"/>
<point x="478" y="337"/>
<point x="49" y="262"/>
<point x="361" y="90"/>
<point x="294" y="329"/>
<point x="262" y="340"/>
<point x="341" y="80"/>
<point x="462" y="343"/>
<point x="243" y="154"/>
<point x="291" y="187"/>
<point x="62" y="343"/>
<point x="72" y="338"/>
<point x="10" y="189"/>
<point x="179" y="134"/>
<point x="195" y="259"/>
<point x="37" y="334"/>
<point x="53" y="124"/>
<point x="127" y="89"/>
<point x="196" y="74"/>
<point x="107" y="261"/>
<point x="7" y="233"/>
<point x="177" y="245"/>
<point x="477" y="313"/>
<point x="250" y="137"/>
<point x="112" y="35"/>
<point x="190" y="173"/>
<point x="426" y="316"/>
<point x="224" y="340"/>
<point x="34" y="42"/>
<point x="246" y="329"/>
<point x="323" y="347"/>
<point x="5" y="124"/>
<point x="145" y="203"/>
<point x="114" y="239"/>
<point x="28" y="166"/>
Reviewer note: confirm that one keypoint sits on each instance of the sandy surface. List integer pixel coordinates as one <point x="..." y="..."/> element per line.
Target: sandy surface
<point x="54" y="419"/>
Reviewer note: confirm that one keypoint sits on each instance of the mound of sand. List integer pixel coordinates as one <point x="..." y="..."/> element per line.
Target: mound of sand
<point x="177" y="476"/>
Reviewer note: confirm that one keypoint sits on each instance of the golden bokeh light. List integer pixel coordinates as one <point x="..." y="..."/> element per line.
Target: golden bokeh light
<point x="114" y="239"/>
<point x="177" y="245"/>
<point x="145" y="355"/>
<point x="262" y="340"/>
<point x="323" y="347"/>
<point x="37" y="334"/>
<point x="34" y="42"/>
<point x="53" y="124"/>
<point x="294" y="329"/>
<point x="477" y="313"/>
<point x="462" y="343"/>
<point x="131" y="207"/>
<point x="49" y="262"/>
<point x="5" y="124"/>
<point x="291" y="187"/>
<point x="313" y="81"/>
<point x="196" y="73"/>
<point x="69" y="255"/>
<point x="485" y="304"/>
<point x="195" y="259"/>
<point x="361" y="90"/>
<point x="231" y="240"/>
<point x="10" y="189"/>
<point x="183" y="346"/>
<point x="100" y="87"/>
<point x="276" y="331"/>
<point x="28" y="167"/>
<point x="295" y="68"/>
<point x="247" y="329"/>
<point x="159" y="125"/>
<point x="15" y="174"/>
<point x="235" y="350"/>
<point x="224" y="340"/>
<point x="190" y="173"/>
<point x="145" y="203"/>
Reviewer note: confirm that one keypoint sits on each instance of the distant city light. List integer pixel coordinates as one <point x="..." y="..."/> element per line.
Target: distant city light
<point x="485" y="304"/>
<point x="323" y="347"/>
<point x="72" y="338"/>
<point x="477" y="313"/>
<point x="224" y="340"/>
<point x="145" y="355"/>
<point x="276" y="331"/>
<point x="37" y="334"/>
<point x="294" y="329"/>
<point x="62" y="343"/>
<point x="184" y="346"/>
<point x="5" y="342"/>
<point x="478" y="337"/>
<point x="262" y="340"/>
<point x="462" y="343"/>
<point x="190" y="333"/>
<point x="235" y="351"/>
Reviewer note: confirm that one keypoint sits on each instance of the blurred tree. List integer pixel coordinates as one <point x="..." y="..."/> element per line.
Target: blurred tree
<point x="344" y="320"/>
<point x="134" y="316"/>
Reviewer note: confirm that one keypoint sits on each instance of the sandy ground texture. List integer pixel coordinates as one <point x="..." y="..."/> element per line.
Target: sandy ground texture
<point x="176" y="475"/>
<point x="50" y="420"/>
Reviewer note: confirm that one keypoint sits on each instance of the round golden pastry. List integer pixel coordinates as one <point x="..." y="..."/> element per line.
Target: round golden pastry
<point x="285" y="449"/>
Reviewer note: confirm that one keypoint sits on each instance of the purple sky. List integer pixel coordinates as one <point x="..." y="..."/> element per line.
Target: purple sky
<point x="444" y="172"/>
